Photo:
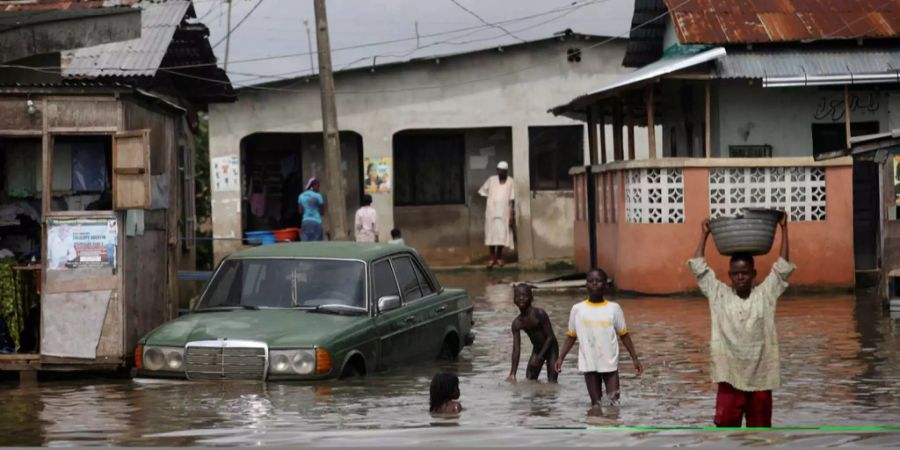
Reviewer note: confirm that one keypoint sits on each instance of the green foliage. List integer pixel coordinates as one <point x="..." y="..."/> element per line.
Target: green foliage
<point x="202" y="191"/>
<point x="17" y="297"/>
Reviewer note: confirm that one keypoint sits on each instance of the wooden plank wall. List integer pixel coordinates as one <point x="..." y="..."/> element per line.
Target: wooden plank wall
<point x="145" y="281"/>
<point x="13" y="116"/>
<point x="890" y="229"/>
<point x="82" y="113"/>
<point x="163" y="161"/>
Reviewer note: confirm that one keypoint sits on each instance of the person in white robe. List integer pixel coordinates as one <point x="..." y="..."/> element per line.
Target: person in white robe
<point x="499" y="218"/>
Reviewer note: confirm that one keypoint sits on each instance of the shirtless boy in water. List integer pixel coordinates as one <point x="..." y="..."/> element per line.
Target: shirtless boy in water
<point x="536" y="324"/>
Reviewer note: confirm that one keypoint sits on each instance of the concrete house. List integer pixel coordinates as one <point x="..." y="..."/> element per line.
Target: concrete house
<point x="424" y="135"/>
<point x="745" y="100"/>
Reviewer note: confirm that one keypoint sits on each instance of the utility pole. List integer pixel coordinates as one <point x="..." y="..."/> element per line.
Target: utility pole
<point x="333" y="182"/>
<point x="312" y="65"/>
<point x="227" y="36"/>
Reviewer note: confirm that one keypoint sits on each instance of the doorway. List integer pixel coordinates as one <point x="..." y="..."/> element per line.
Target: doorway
<point x="865" y="215"/>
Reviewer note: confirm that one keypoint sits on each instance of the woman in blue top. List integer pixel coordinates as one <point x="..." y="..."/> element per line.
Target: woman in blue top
<point x="312" y="205"/>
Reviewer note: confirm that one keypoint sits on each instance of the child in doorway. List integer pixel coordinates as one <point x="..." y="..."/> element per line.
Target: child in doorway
<point x="366" y="221"/>
<point x="396" y="238"/>
<point x="598" y="324"/>
<point x="445" y="394"/>
<point x="536" y="324"/>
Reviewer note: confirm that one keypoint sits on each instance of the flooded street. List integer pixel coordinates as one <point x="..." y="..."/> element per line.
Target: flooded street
<point x="840" y="368"/>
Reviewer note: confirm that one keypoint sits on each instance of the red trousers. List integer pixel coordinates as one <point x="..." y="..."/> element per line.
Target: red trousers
<point x="733" y="404"/>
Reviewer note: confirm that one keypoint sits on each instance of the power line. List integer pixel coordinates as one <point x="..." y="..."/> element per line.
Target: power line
<point x="405" y="89"/>
<point x="572" y="8"/>
<point x="228" y="34"/>
<point x="438" y="86"/>
<point x="473" y="13"/>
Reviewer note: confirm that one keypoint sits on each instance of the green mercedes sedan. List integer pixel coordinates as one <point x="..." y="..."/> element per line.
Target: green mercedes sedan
<point x="309" y="311"/>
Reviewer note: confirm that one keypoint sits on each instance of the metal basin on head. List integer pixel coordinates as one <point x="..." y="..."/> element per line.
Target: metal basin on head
<point x="751" y="232"/>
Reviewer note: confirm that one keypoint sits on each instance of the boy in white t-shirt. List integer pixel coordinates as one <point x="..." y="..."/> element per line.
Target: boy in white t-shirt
<point x="595" y="323"/>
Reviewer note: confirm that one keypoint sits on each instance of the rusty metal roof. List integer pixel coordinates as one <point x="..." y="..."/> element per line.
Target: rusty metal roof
<point x="716" y="22"/>
<point x="135" y="57"/>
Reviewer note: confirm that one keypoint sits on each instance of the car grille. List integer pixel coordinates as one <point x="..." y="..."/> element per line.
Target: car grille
<point x="225" y="363"/>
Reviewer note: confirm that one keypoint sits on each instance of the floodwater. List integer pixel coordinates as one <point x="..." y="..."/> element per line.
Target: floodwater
<point x="840" y="368"/>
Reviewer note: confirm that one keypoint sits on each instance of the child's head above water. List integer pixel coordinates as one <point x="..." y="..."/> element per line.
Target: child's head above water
<point x="523" y="296"/>
<point x="444" y="388"/>
<point x="596" y="283"/>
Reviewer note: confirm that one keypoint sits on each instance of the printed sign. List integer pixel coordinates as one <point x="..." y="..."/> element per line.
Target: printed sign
<point x="226" y="174"/>
<point x="74" y="243"/>
<point x="377" y="177"/>
<point x="897" y="179"/>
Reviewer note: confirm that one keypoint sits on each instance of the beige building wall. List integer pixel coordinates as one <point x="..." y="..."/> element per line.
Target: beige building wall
<point x="511" y="89"/>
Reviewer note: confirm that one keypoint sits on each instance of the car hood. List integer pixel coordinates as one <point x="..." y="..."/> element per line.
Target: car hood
<point x="279" y="328"/>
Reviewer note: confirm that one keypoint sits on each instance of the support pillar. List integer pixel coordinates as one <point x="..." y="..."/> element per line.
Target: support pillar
<point x="602" y="124"/>
<point x="618" y="150"/>
<point x="592" y="135"/>
<point x="629" y="117"/>
<point x="651" y="126"/>
<point x="707" y="136"/>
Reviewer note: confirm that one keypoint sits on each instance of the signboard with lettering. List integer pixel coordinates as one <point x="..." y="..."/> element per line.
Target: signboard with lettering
<point x="75" y="243"/>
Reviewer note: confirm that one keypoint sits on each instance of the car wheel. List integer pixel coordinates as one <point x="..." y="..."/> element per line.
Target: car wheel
<point x="354" y="368"/>
<point x="450" y="348"/>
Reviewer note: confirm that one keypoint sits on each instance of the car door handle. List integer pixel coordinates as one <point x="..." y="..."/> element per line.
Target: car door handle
<point x="410" y="319"/>
<point x="440" y="309"/>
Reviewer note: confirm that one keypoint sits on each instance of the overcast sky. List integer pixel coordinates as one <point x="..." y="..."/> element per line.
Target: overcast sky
<point x="275" y="29"/>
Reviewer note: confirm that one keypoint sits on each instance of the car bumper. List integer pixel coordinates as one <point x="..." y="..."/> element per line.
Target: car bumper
<point x="142" y="373"/>
<point x="470" y="339"/>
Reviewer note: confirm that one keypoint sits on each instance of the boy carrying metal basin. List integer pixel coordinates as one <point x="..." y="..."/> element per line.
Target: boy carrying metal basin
<point x="744" y="344"/>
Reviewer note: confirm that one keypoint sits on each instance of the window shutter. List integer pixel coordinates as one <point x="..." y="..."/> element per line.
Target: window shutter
<point x="131" y="170"/>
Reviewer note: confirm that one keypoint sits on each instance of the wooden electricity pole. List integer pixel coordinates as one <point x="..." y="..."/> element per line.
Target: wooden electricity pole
<point x="333" y="181"/>
<point x="227" y="36"/>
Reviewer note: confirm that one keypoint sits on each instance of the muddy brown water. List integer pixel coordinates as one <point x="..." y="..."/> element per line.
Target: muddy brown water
<point x="840" y="367"/>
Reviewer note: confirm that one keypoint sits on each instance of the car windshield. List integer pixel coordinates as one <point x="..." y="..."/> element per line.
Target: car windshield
<point x="327" y="285"/>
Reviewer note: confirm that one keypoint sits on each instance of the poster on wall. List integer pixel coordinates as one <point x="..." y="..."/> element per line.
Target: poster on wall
<point x="377" y="177"/>
<point x="225" y="174"/>
<point x="76" y="243"/>
<point x="897" y="179"/>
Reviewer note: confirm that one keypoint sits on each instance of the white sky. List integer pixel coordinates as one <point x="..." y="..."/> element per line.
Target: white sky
<point x="276" y="28"/>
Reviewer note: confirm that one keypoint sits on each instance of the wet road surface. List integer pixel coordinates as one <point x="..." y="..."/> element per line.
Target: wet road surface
<point x="840" y="367"/>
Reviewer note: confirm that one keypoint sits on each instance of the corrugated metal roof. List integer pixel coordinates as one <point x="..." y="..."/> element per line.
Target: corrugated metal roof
<point x="62" y="5"/>
<point x="717" y="22"/>
<point x="136" y="57"/>
<point x="645" y="74"/>
<point x="645" y="40"/>
<point x="811" y="63"/>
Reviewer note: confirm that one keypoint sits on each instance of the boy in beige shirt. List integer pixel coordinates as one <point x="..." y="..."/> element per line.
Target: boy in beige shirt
<point x="744" y="344"/>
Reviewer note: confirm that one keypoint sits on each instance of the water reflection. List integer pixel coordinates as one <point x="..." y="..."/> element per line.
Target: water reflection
<point x="840" y="366"/>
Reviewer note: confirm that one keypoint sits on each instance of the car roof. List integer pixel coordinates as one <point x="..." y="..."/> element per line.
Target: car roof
<point x="326" y="249"/>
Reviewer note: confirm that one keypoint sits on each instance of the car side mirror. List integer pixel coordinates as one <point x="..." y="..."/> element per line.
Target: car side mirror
<point x="388" y="302"/>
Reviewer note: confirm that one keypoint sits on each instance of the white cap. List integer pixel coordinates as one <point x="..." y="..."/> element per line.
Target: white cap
<point x="502" y="165"/>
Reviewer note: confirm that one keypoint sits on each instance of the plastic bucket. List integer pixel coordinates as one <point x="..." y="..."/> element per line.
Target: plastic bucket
<point x="257" y="237"/>
<point x="287" y="234"/>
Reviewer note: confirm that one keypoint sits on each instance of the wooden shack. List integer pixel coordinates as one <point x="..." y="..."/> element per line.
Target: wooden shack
<point x="876" y="204"/>
<point x="97" y="199"/>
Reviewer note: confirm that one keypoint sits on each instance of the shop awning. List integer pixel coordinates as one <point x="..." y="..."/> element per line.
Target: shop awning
<point x="648" y="73"/>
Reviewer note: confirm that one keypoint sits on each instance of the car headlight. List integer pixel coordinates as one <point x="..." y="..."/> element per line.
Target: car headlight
<point x="169" y="359"/>
<point x="302" y="362"/>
